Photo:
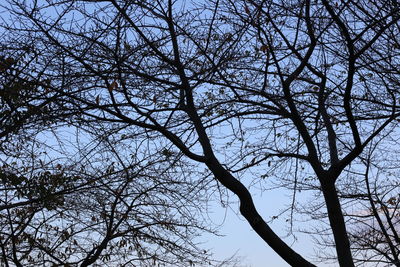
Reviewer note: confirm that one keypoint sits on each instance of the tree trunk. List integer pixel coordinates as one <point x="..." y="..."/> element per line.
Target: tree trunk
<point x="337" y="223"/>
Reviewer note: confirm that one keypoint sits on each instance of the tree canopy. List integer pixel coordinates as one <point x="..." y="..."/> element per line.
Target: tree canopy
<point x="121" y="119"/>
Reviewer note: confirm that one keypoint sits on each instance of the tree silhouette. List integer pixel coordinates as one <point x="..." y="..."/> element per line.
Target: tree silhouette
<point x="301" y="93"/>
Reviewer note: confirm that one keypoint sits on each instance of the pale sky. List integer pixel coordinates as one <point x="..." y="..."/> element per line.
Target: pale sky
<point x="240" y="238"/>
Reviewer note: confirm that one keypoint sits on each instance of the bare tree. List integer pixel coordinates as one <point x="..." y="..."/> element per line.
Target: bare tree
<point x="374" y="226"/>
<point x="298" y="91"/>
<point x="74" y="193"/>
<point x="106" y="201"/>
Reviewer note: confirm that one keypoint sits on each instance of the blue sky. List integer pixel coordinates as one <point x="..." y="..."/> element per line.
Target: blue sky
<point x="239" y="238"/>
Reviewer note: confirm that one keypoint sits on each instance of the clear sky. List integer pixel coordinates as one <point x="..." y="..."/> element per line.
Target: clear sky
<point x="239" y="238"/>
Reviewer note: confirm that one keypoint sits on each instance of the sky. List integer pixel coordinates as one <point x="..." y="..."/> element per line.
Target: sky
<point x="239" y="238"/>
